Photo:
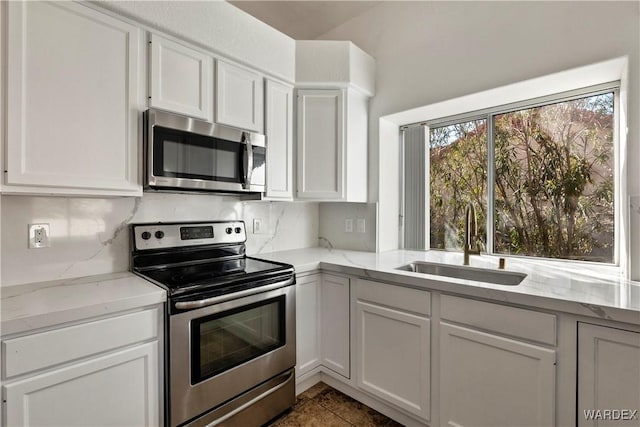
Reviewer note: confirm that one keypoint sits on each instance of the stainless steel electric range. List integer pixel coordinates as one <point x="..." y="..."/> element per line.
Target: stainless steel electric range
<point x="230" y="347"/>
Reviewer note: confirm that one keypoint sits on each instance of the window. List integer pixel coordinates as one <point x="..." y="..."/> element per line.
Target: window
<point x="540" y="174"/>
<point x="457" y="177"/>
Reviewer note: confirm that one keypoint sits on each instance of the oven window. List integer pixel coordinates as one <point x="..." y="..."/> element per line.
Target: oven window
<point x="187" y="155"/>
<point x="224" y="340"/>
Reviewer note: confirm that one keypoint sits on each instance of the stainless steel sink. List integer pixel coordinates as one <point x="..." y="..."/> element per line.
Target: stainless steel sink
<point x="497" y="277"/>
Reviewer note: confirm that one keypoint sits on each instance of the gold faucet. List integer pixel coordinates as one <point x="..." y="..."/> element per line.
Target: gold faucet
<point x="470" y="233"/>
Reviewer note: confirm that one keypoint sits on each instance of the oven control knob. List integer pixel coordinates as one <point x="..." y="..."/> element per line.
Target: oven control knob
<point x="228" y="230"/>
<point x="159" y="234"/>
<point x="238" y="230"/>
<point x="146" y="235"/>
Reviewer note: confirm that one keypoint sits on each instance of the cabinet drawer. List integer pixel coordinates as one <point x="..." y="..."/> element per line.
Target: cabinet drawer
<point x="407" y="299"/>
<point x="517" y="322"/>
<point x="41" y="350"/>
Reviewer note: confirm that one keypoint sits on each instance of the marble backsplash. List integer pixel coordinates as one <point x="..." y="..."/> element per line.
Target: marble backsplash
<point x="332" y="226"/>
<point x="91" y="235"/>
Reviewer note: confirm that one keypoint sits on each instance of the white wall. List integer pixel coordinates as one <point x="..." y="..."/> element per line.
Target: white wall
<point x="219" y="26"/>
<point x="91" y="235"/>
<point x="428" y="52"/>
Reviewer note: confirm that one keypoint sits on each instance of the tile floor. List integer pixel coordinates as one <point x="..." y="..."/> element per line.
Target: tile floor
<point x="324" y="406"/>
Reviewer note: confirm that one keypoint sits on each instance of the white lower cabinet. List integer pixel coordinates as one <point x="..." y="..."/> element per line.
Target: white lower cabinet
<point x="322" y="324"/>
<point x="334" y="315"/>
<point x="103" y="372"/>
<point x="307" y="323"/>
<point x="608" y="376"/>
<point x="489" y="380"/>
<point x="492" y="364"/>
<point x="119" y="389"/>
<point x="393" y="345"/>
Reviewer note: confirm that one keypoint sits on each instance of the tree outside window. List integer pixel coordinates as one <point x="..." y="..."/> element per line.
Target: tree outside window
<point x="553" y="184"/>
<point x="457" y="177"/>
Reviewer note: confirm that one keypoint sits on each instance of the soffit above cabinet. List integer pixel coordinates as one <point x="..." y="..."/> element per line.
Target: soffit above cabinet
<point x="305" y="20"/>
<point x="216" y="26"/>
<point x="328" y="62"/>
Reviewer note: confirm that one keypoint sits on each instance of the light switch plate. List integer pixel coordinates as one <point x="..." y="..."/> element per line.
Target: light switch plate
<point x="39" y="236"/>
<point x="348" y="225"/>
<point x="258" y="226"/>
<point x="360" y="225"/>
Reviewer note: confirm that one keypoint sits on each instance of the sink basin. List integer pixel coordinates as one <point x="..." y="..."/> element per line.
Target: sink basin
<point x="497" y="277"/>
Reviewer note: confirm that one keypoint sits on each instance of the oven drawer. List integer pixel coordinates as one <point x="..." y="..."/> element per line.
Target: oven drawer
<point x="42" y="350"/>
<point x="256" y="406"/>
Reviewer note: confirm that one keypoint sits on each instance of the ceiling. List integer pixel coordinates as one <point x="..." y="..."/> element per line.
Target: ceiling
<point x="304" y="20"/>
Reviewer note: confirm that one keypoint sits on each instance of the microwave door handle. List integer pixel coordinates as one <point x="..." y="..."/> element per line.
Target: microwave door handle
<point x="248" y="158"/>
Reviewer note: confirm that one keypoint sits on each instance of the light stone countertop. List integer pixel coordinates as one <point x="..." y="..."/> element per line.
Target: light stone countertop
<point x="39" y="305"/>
<point x="567" y="288"/>
<point x="552" y="285"/>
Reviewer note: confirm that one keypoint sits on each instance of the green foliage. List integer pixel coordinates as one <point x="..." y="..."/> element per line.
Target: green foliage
<point x="458" y="176"/>
<point x="554" y="184"/>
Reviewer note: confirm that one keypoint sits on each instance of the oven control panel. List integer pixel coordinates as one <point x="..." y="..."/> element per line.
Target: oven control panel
<point x="175" y="235"/>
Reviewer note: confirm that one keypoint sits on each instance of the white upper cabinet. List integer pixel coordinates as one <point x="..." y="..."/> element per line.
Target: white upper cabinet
<point x="332" y="145"/>
<point x="320" y="144"/>
<point x="73" y="101"/>
<point x="279" y="132"/>
<point x="181" y="79"/>
<point x="335" y="80"/>
<point x="239" y="97"/>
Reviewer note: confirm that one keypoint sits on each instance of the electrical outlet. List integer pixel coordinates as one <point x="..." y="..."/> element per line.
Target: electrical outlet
<point x="360" y="225"/>
<point x="39" y="236"/>
<point x="348" y="225"/>
<point x="258" y="226"/>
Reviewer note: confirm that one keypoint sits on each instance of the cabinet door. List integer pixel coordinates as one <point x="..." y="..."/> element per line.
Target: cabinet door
<point x="239" y="97"/>
<point x="73" y="101"/>
<point x="487" y="380"/>
<point x="279" y="132"/>
<point x="181" y="79"/>
<point x="335" y="324"/>
<point x="608" y="376"/>
<point x="116" y="389"/>
<point x="393" y="357"/>
<point x="320" y="144"/>
<point x="307" y="323"/>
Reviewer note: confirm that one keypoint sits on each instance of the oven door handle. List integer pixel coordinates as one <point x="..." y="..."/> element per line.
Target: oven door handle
<point x="286" y="378"/>
<point x="188" y="305"/>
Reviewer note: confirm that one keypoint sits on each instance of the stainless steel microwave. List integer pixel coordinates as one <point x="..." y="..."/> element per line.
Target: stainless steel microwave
<point x="185" y="154"/>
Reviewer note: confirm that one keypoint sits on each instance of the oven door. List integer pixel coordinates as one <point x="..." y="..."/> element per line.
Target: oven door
<point x="219" y="351"/>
